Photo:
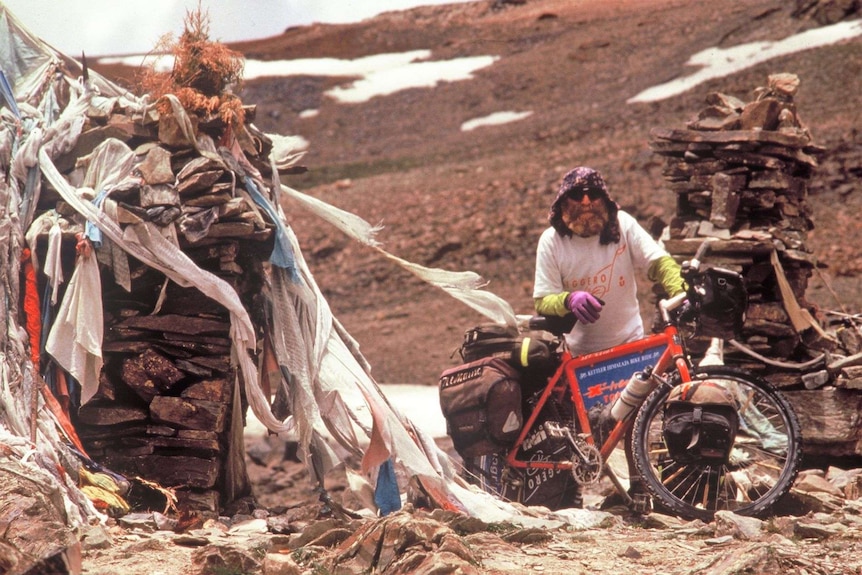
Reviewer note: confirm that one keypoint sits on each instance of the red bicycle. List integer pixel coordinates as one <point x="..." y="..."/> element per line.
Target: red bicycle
<point x="737" y="447"/>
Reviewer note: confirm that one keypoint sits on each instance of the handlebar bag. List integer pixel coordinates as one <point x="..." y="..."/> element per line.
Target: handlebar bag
<point x="700" y="423"/>
<point x="722" y="302"/>
<point x="481" y="402"/>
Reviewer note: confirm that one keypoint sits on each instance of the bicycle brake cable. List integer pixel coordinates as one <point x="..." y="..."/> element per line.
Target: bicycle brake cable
<point x="817" y="361"/>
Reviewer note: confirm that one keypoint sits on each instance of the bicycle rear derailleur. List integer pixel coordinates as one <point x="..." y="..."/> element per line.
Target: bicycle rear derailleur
<point x="587" y="461"/>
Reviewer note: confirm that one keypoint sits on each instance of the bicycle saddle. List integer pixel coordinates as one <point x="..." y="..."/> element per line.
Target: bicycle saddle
<point x="553" y="323"/>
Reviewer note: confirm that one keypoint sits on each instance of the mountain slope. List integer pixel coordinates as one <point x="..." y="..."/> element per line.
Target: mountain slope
<point x="477" y="200"/>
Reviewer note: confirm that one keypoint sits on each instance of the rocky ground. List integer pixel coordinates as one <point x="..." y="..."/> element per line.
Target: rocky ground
<point x="288" y="531"/>
<point x="477" y="200"/>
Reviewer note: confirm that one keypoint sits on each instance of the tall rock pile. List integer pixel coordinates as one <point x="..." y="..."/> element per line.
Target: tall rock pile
<point x="740" y="172"/>
<point x="164" y="406"/>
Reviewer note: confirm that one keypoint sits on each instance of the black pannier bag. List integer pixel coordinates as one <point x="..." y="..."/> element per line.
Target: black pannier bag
<point x="700" y="423"/>
<point x="488" y="340"/>
<point x="481" y="402"/>
<point x="551" y="488"/>
<point x="526" y="351"/>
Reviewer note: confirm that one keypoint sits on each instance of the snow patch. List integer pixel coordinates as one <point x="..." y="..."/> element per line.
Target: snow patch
<point x="495" y="119"/>
<point x="718" y="62"/>
<point x="377" y="75"/>
<point x="388" y="80"/>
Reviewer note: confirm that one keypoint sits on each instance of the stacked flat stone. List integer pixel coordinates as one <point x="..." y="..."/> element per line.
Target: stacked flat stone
<point x="740" y="172"/>
<point x="164" y="409"/>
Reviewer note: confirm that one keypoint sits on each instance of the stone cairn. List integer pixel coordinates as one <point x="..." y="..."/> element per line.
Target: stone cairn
<point x="740" y="172"/>
<point x="163" y="412"/>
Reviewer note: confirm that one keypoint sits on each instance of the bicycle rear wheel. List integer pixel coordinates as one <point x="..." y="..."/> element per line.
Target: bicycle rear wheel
<point x="763" y="459"/>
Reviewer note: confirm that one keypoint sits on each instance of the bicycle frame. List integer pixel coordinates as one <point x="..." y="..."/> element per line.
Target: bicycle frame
<point x="565" y="379"/>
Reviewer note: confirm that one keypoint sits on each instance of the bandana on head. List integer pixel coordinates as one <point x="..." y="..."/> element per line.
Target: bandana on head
<point x="583" y="180"/>
<point x="575" y="184"/>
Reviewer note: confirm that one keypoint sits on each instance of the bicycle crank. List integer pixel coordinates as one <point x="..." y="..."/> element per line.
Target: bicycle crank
<point x="586" y="463"/>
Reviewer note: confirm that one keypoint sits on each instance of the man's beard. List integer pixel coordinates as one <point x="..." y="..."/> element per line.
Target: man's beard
<point x="588" y="223"/>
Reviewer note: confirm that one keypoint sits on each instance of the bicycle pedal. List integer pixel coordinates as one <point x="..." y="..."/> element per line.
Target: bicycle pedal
<point x="554" y="429"/>
<point x="641" y="503"/>
<point x="512" y="479"/>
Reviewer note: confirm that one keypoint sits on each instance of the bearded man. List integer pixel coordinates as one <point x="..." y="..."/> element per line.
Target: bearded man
<point x="586" y="264"/>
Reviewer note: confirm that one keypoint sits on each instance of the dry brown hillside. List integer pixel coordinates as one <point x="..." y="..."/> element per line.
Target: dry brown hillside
<point x="477" y="200"/>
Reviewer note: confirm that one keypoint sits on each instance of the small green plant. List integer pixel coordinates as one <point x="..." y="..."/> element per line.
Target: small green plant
<point x="301" y="555"/>
<point x="500" y="528"/>
<point x="259" y="551"/>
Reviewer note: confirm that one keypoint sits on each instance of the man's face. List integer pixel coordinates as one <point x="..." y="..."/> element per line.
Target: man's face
<point x="585" y="216"/>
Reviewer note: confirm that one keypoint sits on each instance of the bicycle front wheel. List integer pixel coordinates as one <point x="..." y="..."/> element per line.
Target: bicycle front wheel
<point x="758" y="468"/>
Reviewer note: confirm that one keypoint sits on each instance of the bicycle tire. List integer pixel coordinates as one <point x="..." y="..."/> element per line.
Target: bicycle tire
<point x="764" y="460"/>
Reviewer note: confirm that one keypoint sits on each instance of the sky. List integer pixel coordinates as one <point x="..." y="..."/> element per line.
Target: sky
<point x="113" y="27"/>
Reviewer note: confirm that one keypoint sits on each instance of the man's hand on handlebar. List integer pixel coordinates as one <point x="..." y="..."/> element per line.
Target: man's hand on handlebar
<point x="690" y="267"/>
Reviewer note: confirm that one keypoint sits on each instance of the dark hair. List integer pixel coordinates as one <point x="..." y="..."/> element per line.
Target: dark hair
<point x="575" y="184"/>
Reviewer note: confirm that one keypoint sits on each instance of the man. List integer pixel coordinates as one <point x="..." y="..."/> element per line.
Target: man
<point x="586" y="264"/>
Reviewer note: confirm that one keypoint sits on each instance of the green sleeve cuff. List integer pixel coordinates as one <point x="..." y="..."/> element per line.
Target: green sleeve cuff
<point x="665" y="271"/>
<point x="554" y="304"/>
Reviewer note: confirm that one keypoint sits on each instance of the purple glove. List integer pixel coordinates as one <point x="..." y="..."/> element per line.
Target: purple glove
<point x="584" y="305"/>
